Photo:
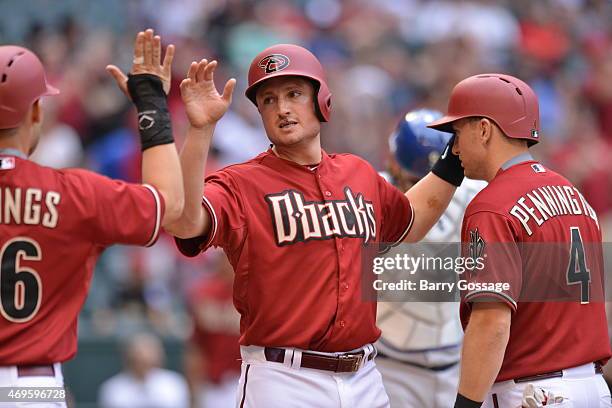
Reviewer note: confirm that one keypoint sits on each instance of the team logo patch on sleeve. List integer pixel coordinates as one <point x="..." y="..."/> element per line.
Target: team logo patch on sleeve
<point x="7" y="163"/>
<point x="477" y="245"/>
<point x="274" y="62"/>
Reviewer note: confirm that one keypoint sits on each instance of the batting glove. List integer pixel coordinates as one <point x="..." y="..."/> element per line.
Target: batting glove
<point x="536" y="397"/>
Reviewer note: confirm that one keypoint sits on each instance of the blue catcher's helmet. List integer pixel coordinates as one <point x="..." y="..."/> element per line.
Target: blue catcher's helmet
<point x="415" y="146"/>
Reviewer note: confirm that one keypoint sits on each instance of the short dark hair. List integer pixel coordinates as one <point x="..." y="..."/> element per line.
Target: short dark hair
<point x="8" y="132"/>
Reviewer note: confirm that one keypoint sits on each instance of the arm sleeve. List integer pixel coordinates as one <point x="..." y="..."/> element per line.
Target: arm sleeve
<point x="116" y="212"/>
<point x="397" y="213"/>
<point x="222" y="201"/>
<point x="490" y="241"/>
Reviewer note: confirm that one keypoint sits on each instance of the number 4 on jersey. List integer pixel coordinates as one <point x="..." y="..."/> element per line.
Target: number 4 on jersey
<point x="577" y="271"/>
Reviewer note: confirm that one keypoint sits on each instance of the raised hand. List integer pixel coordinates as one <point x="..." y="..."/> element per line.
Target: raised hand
<point x="203" y="104"/>
<point x="147" y="60"/>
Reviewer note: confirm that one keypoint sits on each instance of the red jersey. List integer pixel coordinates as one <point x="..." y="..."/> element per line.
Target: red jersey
<point x="295" y="236"/>
<point x="536" y="232"/>
<point x="216" y="328"/>
<point x="53" y="226"/>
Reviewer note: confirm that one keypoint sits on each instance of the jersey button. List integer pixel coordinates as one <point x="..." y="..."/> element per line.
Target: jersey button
<point x="328" y="193"/>
<point x="342" y="323"/>
<point x="345" y="286"/>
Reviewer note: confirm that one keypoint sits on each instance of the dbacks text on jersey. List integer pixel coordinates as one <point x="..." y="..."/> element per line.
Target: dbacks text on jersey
<point x="297" y="220"/>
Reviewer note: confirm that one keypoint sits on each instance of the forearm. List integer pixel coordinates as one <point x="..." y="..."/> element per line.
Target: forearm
<point x="484" y="345"/>
<point x="194" y="154"/>
<point x="161" y="168"/>
<point x="429" y="198"/>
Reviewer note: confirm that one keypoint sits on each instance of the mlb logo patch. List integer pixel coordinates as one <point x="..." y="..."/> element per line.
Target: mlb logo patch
<point x="538" y="168"/>
<point x="7" y="163"/>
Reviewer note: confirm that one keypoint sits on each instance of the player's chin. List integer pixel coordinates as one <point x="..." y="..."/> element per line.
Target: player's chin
<point x="287" y="138"/>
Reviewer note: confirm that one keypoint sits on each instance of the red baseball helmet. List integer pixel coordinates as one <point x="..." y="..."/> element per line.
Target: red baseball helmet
<point x="22" y="82"/>
<point x="506" y="100"/>
<point x="288" y="59"/>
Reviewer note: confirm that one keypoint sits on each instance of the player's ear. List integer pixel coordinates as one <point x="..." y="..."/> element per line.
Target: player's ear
<point x="36" y="113"/>
<point x="485" y="130"/>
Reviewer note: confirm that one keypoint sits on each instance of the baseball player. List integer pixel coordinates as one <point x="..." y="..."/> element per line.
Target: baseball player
<point x="55" y="223"/>
<point x="294" y="222"/>
<point x="420" y="345"/>
<point x="512" y="338"/>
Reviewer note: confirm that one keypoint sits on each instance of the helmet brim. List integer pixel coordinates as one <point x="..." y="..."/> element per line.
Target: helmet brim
<point x="51" y="90"/>
<point x="251" y="91"/>
<point x="445" y="123"/>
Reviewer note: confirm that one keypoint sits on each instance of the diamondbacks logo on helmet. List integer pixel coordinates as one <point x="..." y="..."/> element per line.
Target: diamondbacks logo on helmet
<point x="274" y="62"/>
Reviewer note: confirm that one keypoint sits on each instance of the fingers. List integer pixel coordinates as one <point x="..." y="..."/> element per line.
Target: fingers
<point x="156" y="50"/>
<point x="191" y="73"/>
<point x="148" y="47"/>
<point x="209" y="71"/>
<point x="228" y="90"/>
<point x="185" y="83"/>
<point x="168" y="58"/>
<point x="119" y="77"/>
<point x="201" y="70"/>
<point x="139" y="48"/>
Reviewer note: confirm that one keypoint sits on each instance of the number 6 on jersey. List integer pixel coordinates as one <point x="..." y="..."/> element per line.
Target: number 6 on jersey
<point x="20" y="286"/>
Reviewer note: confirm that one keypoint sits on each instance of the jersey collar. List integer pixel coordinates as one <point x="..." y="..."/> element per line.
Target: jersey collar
<point x="521" y="158"/>
<point x="13" y="152"/>
<point x="284" y="162"/>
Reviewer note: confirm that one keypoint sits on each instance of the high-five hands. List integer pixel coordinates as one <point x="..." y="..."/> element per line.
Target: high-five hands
<point x="203" y="103"/>
<point x="147" y="60"/>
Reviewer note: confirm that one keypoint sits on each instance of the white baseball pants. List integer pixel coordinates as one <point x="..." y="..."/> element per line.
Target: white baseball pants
<point x="265" y="384"/>
<point x="409" y="386"/>
<point x="9" y="378"/>
<point x="582" y="387"/>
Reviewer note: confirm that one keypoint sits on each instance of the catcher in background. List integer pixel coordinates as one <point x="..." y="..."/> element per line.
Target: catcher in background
<point x="420" y="345"/>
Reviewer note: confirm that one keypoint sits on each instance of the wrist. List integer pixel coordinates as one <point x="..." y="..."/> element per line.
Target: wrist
<point x="205" y="128"/>
<point x="154" y="125"/>
<point x="464" y="402"/>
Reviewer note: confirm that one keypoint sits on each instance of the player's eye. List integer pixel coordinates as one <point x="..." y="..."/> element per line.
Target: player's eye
<point x="268" y="100"/>
<point x="295" y="93"/>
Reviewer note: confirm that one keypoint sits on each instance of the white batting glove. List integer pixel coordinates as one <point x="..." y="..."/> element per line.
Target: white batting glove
<point x="536" y="397"/>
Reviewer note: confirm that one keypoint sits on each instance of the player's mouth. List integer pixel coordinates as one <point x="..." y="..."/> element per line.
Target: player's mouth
<point x="286" y="124"/>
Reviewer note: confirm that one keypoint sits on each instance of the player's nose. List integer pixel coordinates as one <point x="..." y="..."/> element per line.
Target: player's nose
<point x="283" y="106"/>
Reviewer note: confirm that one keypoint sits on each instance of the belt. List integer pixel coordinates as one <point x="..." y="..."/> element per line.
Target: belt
<point x="552" y="374"/>
<point x="343" y="363"/>
<point x="36" y="371"/>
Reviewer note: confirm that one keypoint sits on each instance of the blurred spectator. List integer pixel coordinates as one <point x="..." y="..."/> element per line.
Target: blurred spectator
<point x="143" y="383"/>
<point x="212" y="358"/>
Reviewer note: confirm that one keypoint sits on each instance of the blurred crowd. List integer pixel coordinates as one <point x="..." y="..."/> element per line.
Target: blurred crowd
<point x="382" y="58"/>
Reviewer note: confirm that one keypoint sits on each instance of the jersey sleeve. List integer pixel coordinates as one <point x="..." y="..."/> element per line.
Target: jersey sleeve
<point x="116" y="212"/>
<point x="490" y="245"/>
<point x="397" y="213"/>
<point x="222" y="201"/>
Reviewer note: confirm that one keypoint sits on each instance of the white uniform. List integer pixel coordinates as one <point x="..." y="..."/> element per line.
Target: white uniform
<point x="420" y="346"/>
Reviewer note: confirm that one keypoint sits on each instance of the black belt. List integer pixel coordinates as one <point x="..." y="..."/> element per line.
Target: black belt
<point x="36" y="371"/>
<point x="343" y="363"/>
<point x="552" y="374"/>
